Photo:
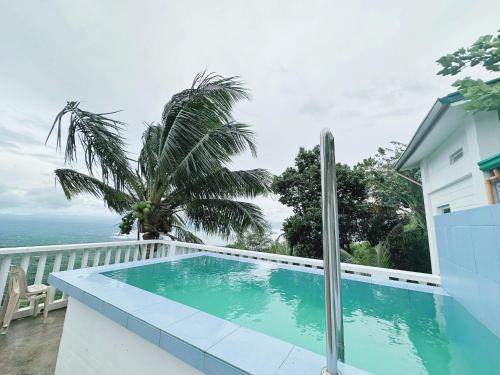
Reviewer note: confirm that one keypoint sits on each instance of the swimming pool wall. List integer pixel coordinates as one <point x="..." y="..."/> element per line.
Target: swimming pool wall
<point x="468" y="245"/>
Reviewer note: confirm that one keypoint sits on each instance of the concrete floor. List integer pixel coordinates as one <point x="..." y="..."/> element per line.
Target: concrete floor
<point x="30" y="347"/>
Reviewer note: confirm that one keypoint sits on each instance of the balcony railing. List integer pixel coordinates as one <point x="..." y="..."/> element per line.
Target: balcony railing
<point x="39" y="261"/>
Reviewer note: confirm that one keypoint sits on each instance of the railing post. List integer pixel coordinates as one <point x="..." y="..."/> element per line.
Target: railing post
<point x="25" y="262"/>
<point x="4" y="273"/>
<point x="107" y="256"/>
<point x="172" y="249"/>
<point x="55" y="268"/>
<point x="97" y="257"/>
<point x="71" y="265"/>
<point x="85" y="259"/>
<point x="118" y="254"/>
<point x="127" y="254"/>
<point x="331" y="255"/>
<point x="40" y="269"/>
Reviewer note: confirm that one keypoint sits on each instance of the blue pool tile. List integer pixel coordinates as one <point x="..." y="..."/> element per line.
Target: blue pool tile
<point x="479" y="216"/>
<point x="252" y="351"/>
<point x="202" y="329"/>
<point x="56" y="282"/>
<point x="75" y="292"/>
<point x="486" y="252"/>
<point x="214" y="366"/>
<point x="92" y="301"/>
<point x="462" y="252"/>
<point x="115" y="314"/>
<point x="143" y="329"/>
<point x="164" y="314"/>
<point x="495" y="214"/>
<point x="182" y="350"/>
<point x="346" y="369"/>
<point x="301" y="361"/>
<point x="442" y="242"/>
<point x="489" y="291"/>
<point x="129" y="298"/>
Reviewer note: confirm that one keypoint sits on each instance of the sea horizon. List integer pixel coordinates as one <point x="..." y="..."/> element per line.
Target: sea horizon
<point x="43" y="230"/>
<point x="40" y="230"/>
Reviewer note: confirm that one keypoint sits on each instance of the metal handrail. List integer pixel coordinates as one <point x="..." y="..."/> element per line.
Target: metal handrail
<point x="331" y="256"/>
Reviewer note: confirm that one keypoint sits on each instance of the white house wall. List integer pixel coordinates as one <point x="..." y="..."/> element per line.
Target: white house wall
<point x="459" y="185"/>
<point x="441" y="176"/>
<point x="488" y="134"/>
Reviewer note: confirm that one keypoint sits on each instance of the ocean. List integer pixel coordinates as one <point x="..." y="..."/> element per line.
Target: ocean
<point x="39" y="230"/>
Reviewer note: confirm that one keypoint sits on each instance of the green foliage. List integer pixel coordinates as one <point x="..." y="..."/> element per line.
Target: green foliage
<point x="260" y="240"/>
<point x="480" y="96"/>
<point x="127" y="223"/>
<point x="300" y="188"/>
<point x="254" y="239"/>
<point x="366" y="254"/>
<point x="409" y="249"/>
<point x="484" y="52"/>
<point x="181" y="179"/>
<point x="393" y="192"/>
<point x="280" y="248"/>
<point x="373" y="199"/>
<point x="360" y="215"/>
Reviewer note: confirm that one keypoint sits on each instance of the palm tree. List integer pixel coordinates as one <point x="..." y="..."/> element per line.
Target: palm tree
<point x="180" y="180"/>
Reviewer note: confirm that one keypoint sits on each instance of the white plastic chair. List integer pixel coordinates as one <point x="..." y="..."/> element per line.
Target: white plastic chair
<point x="18" y="291"/>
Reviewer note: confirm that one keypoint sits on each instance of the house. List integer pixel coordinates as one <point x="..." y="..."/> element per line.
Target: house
<point x="458" y="153"/>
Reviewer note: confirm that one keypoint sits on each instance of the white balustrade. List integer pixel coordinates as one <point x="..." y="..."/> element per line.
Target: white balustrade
<point x="79" y="255"/>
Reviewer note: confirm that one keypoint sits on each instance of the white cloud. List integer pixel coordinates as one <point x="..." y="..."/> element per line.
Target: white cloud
<point x="365" y="69"/>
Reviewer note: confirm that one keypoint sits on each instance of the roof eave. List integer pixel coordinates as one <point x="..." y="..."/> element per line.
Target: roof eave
<point x="423" y="130"/>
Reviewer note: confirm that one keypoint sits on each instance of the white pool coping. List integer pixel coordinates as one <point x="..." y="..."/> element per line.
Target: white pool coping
<point x="206" y="342"/>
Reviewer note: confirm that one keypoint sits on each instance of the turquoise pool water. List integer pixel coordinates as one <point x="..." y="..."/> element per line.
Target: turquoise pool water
<point x="387" y="330"/>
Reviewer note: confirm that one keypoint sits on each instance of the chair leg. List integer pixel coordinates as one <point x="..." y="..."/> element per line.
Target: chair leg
<point x="45" y="307"/>
<point x="36" y="307"/>
<point x="12" y="304"/>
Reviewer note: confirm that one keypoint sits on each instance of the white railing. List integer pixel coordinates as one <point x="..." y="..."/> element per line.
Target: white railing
<point x="39" y="261"/>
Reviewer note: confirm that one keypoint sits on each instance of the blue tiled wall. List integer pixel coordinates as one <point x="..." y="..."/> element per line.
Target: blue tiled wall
<point x="469" y="258"/>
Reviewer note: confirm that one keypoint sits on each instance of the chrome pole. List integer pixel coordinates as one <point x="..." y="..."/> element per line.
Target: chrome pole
<point x="331" y="256"/>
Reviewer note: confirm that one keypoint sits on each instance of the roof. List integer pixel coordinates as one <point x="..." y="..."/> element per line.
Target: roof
<point x="429" y="122"/>
<point x="490" y="163"/>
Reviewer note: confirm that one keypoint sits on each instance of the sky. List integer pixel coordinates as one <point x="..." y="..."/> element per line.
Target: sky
<point x="364" y="69"/>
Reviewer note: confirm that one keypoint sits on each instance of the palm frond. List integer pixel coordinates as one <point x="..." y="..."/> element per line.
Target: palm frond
<point x="214" y="149"/>
<point x="192" y="120"/>
<point x="383" y="256"/>
<point x="184" y="235"/>
<point x="224" y="217"/>
<point x="227" y="184"/>
<point x="75" y="183"/>
<point x="148" y="157"/>
<point x="100" y="138"/>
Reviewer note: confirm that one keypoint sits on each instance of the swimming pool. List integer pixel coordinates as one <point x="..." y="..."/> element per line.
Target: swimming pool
<point x="388" y="330"/>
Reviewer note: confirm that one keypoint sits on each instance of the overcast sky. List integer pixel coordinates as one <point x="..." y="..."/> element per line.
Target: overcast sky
<point x="365" y="69"/>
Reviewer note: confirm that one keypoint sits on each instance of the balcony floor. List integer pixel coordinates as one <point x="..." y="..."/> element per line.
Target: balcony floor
<point x="31" y="347"/>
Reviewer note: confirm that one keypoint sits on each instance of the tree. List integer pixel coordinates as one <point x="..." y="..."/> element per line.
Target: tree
<point x="300" y="188"/>
<point x="399" y="198"/>
<point x="377" y="206"/>
<point x="254" y="239"/>
<point x="485" y="52"/>
<point x="400" y="194"/>
<point x="181" y="180"/>
<point x="260" y="240"/>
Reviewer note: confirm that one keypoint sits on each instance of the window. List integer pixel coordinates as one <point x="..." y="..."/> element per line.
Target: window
<point x="444" y="209"/>
<point x="496" y="189"/>
<point x="457" y="155"/>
